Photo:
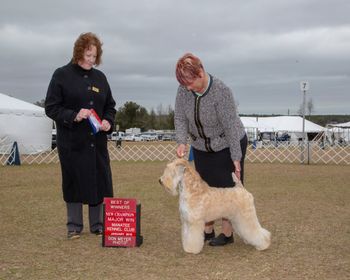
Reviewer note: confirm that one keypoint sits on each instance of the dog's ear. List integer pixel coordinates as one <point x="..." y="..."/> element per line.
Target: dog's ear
<point x="181" y="169"/>
<point x="181" y="165"/>
<point x="181" y="162"/>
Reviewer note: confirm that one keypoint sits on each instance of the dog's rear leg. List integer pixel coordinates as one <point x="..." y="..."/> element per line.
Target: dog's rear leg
<point x="247" y="226"/>
<point x="192" y="237"/>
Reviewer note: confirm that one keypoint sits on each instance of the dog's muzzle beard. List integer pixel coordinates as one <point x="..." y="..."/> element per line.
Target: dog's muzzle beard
<point x="164" y="186"/>
<point x="169" y="187"/>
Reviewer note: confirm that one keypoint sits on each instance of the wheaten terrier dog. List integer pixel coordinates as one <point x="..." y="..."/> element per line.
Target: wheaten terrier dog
<point x="200" y="203"/>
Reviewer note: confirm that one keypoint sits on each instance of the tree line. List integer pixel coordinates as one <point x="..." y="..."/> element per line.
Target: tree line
<point x="132" y="114"/>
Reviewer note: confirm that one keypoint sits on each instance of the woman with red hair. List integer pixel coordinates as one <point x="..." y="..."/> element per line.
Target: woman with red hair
<point x="75" y="89"/>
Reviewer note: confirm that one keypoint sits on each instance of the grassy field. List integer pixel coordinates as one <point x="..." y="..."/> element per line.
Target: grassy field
<point x="306" y="208"/>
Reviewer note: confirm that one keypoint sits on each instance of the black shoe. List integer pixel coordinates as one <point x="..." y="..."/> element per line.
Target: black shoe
<point x="73" y="235"/>
<point x="221" y="240"/>
<point x="98" y="232"/>
<point x="209" y="236"/>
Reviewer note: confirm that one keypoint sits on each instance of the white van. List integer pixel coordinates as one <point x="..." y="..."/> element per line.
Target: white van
<point x="117" y="135"/>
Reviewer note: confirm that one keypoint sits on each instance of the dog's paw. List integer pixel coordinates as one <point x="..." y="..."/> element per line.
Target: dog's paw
<point x="265" y="240"/>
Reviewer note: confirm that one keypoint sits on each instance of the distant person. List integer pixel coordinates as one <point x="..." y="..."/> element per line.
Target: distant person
<point x="74" y="90"/>
<point x="206" y="111"/>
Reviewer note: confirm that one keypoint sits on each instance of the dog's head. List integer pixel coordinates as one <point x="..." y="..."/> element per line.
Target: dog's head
<point x="173" y="175"/>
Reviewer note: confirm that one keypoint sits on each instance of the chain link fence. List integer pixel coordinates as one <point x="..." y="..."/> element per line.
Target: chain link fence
<point x="271" y="152"/>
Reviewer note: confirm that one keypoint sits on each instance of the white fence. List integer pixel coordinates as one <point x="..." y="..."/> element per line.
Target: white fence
<point x="309" y="153"/>
<point x="283" y="152"/>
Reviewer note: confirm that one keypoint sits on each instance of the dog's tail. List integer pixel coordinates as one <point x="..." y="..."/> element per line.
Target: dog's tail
<point x="238" y="182"/>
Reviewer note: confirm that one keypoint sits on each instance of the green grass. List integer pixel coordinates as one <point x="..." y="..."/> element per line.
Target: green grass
<point x="307" y="209"/>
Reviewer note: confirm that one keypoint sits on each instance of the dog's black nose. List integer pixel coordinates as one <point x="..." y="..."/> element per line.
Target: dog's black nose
<point x="160" y="181"/>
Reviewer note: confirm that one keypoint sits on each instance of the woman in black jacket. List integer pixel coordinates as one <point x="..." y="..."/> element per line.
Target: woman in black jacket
<point x="75" y="89"/>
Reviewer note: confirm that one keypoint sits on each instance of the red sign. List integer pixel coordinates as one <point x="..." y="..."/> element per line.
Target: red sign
<point x="120" y="204"/>
<point x="121" y="222"/>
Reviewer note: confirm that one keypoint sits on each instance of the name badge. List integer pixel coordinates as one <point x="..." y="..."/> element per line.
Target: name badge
<point x="95" y="89"/>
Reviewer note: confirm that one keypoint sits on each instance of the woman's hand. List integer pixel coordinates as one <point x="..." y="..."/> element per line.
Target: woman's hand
<point x="237" y="167"/>
<point x="106" y="126"/>
<point x="181" y="150"/>
<point x="83" y="114"/>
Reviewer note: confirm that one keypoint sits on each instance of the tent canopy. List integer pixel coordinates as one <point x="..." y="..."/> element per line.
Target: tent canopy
<point x="10" y="105"/>
<point x="249" y="122"/>
<point x="281" y="123"/>
<point x="24" y="123"/>
<point x="341" y="125"/>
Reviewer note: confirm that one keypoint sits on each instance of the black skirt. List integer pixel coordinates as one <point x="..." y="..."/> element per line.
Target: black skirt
<point x="216" y="168"/>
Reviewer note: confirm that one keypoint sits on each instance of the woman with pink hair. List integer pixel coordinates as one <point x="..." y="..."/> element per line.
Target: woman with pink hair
<point x="206" y="112"/>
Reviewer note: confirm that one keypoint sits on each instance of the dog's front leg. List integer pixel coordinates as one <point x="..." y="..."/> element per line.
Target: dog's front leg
<point x="192" y="236"/>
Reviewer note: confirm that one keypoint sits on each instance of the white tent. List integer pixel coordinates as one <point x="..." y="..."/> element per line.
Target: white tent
<point x="249" y="122"/>
<point x="24" y="123"/>
<point x="280" y="123"/>
<point x="339" y="132"/>
<point x="341" y="125"/>
<point x="293" y="125"/>
<point x="287" y="123"/>
<point x="251" y="127"/>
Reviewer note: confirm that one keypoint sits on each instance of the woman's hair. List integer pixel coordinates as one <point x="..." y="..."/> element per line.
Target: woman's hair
<point x="188" y="68"/>
<point x="84" y="42"/>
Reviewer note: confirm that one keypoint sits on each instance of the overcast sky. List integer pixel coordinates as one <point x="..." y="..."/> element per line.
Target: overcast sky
<point x="262" y="49"/>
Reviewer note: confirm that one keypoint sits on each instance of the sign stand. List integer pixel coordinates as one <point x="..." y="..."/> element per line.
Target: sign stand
<point x="121" y="223"/>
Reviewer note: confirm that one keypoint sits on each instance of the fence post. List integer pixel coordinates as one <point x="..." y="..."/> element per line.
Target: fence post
<point x="302" y="151"/>
<point x="308" y="152"/>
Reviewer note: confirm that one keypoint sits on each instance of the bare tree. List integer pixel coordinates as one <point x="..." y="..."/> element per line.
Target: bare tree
<point x="310" y="107"/>
<point x="40" y="103"/>
<point x="301" y="109"/>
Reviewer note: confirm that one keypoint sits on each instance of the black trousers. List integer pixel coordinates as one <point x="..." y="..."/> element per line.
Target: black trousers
<point x="216" y="168"/>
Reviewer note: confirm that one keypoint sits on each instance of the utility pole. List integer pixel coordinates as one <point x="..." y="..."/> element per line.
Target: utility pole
<point x="304" y="86"/>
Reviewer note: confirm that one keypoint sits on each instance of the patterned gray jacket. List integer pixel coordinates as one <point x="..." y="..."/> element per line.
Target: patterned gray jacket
<point x="211" y="119"/>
